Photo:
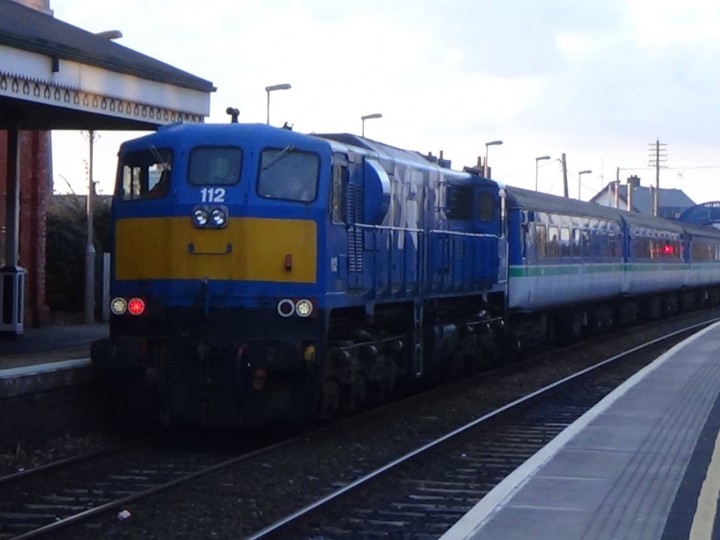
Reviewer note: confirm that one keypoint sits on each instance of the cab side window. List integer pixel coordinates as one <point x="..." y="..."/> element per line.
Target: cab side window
<point x="144" y="175"/>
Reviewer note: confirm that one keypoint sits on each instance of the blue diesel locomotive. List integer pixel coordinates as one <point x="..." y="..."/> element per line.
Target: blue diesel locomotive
<point x="260" y="274"/>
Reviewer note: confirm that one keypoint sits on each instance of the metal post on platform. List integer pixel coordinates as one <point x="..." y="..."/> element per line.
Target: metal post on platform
<point x="12" y="285"/>
<point x="89" y="247"/>
<point x="106" y="287"/>
<point x="12" y="276"/>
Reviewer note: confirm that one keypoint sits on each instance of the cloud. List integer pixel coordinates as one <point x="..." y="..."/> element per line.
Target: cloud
<point x="598" y="80"/>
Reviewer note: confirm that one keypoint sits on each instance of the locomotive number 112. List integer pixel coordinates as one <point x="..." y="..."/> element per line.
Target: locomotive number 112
<point x="213" y="194"/>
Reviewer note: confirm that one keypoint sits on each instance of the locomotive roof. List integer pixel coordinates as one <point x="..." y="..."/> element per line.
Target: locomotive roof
<point x="383" y="151"/>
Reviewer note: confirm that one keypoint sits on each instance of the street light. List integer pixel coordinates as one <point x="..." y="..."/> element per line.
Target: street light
<point x="268" y="89"/>
<point x="368" y="117"/>
<point x="487" y="146"/>
<point x="580" y="180"/>
<point x="109" y="34"/>
<point x="541" y="158"/>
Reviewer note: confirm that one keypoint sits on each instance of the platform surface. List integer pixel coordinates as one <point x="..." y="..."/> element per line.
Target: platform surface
<point x="44" y="358"/>
<point x="639" y="465"/>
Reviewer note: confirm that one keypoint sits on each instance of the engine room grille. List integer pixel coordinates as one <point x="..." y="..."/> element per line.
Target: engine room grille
<point x="355" y="234"/>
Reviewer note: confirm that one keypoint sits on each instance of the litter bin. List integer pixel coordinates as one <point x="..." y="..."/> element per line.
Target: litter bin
<point x="12" y="301"/>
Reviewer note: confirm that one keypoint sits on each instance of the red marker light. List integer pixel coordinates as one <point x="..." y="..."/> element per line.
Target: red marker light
<point x="668" y="250"/>
<point x="136" y="306"/>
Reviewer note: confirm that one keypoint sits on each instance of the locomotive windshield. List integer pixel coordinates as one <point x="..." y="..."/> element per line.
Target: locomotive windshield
<point x="288" y="174"/>
<point x="215" y="165"/>
<point x="144" y="174"/>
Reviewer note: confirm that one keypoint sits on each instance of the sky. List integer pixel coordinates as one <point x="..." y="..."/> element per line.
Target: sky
<point x="601" y="82"/>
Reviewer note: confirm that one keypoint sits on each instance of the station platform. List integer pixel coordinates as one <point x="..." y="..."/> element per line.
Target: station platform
<point x="46" y="358"/>
<point x="642" y="464"/>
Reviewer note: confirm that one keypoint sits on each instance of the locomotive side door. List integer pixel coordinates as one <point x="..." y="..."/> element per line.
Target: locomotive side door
<point x="488" y="226"/>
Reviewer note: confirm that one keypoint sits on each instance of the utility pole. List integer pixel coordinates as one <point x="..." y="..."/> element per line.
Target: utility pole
<point x="564" y="168"/>
<point x="658" y="155"/>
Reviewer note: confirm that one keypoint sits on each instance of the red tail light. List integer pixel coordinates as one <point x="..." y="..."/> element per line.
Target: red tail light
<point x="136" y="306"/>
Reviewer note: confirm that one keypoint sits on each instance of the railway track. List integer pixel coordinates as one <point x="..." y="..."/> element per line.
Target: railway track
<point x="39" y="502"/>
<point x="414" y="496"/>
<point x="423" y="493"/>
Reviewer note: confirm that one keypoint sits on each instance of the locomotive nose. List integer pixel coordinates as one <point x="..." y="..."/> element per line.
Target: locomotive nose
<point x="243" y="249"/>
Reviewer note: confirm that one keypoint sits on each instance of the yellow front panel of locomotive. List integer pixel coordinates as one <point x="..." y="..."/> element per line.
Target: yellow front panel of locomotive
<point x="253" y="249"/>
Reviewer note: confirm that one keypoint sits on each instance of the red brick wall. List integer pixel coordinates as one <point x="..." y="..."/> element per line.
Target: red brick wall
<point x="35" y="191"/>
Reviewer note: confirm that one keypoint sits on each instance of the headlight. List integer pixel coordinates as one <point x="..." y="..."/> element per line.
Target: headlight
<point x="200" y="217"/>
<point x="285" y="307"/>
<point x="303" y="308"/>
<point x="218" y="218"/>
<point x="118" y="306"/>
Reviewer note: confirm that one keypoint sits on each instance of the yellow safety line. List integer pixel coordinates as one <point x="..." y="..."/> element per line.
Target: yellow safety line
<point x="704" y="519"/>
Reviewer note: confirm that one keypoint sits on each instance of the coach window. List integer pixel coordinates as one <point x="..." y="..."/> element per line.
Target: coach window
<point x="671" y="249"/>
<point x="709" y="253"/>
<point x="565" y="239"/>
<point x="641" y="248"/>
<point x="540" y="241"/>
<point x="585" y="243"/>
<point x="553" y="249"/>
<point x="596" y="241"/>
<point x="288" y="174"/>
<point x="699" y="251"/>
<point x="609" y="245"/>
<point x="144" y="175"/>
<point x="654" y="250"/>
<point x="576" y="248"/>
<point x="215" y="166"/>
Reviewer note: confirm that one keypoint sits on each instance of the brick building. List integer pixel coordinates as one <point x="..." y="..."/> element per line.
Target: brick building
<point x="57" y="76"/>
<point x="35" y="189"/>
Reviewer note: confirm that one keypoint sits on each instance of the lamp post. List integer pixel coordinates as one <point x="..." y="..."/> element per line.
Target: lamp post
<point x="487" y="146"/>
<point x="268" y="89"/>
<point x="580" y="180"/>
<point x="537" y="159"/>
<point x="368" y="117"/>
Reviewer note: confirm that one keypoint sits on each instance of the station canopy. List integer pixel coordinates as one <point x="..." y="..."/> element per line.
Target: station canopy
<point x="54" y="75"/>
